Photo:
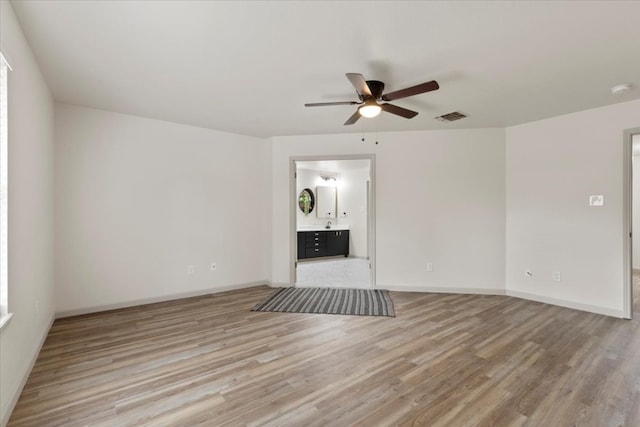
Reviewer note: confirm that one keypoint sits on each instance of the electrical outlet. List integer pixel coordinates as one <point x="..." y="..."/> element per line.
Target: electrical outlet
<point x="557" y="276"/>
<point x="191" y="269"/>
<point x="429" y="266"/>
<point x="214" y="266"/>
<point x="528" y="272"/>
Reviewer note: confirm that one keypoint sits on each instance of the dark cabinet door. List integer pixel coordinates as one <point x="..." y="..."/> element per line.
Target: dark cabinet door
<point x="301" y="245"/>
<point x="338" y="243"/>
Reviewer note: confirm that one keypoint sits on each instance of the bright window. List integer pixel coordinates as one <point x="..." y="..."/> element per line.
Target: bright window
<point x="4" y="136"/>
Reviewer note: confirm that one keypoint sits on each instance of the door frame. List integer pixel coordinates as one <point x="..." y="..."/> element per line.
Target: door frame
<point x="293" y="205"/>
<point x="627" y="212"/>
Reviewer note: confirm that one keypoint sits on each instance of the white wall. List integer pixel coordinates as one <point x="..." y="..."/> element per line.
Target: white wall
<point x="30" y="213"/>
<point x="553" y="166"/>
<point x="440" y="198"/>
<point x="636" y="203"/>
<point x="352" y="200"/>
<point x="137" y="200"/>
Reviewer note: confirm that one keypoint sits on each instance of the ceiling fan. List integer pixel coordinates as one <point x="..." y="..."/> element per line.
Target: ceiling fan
<point x="370" y="93"/>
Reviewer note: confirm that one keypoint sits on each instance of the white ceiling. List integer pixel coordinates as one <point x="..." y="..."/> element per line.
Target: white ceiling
<point x="248" y="67"/>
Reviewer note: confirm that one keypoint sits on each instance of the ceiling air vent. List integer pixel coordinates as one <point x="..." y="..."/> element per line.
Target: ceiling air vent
<point x="451" y="117"/>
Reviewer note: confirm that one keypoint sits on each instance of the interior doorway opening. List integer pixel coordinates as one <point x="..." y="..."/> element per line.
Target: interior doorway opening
<point x="632" y="273"/>
<point x="333" y="222"/>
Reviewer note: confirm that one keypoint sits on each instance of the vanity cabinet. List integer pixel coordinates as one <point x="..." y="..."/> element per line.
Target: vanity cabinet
<point x="301" y="245"/>
<point x="314" y="244"/>
<point x="337" y="242"/>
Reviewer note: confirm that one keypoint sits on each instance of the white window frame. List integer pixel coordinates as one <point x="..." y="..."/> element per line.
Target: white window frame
<point x="5" y="315"/>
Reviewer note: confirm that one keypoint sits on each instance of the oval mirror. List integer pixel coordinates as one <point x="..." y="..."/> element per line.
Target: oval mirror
<point x="306" y="201"/>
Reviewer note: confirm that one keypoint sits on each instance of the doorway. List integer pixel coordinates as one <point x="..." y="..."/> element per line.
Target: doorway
<point x="632" y="221"/>
<point x="332" y="230"/>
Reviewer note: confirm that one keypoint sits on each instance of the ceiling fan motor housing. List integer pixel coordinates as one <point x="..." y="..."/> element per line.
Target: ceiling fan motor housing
<point x="376" y="87"/>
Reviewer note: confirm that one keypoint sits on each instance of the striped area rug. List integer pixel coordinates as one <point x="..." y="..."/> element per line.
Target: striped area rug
<point x="360" y="302"/>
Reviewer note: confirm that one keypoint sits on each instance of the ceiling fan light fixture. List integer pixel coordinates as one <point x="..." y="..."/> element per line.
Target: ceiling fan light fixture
<point x="370" y="92"/>
<point x="370" y="109"/>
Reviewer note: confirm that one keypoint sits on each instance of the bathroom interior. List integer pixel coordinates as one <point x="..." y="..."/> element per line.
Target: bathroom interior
<point x="332" y="223"/>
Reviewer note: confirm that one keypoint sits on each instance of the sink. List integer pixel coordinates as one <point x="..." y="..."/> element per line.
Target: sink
<point x="322" y="227"/>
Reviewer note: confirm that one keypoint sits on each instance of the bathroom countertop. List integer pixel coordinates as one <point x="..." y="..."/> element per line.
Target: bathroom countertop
<point x="337" y="227"/>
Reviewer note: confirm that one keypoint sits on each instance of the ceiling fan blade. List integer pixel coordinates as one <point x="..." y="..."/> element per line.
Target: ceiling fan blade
<point x="410" y="91"/>
<point x="322" y="104"/>
<point x="354" y="118"/>
<point x="358" y="81"/>
<point x="398" y="111"/>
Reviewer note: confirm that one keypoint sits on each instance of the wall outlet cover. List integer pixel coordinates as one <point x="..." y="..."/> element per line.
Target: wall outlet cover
<point x="596" y="200"/>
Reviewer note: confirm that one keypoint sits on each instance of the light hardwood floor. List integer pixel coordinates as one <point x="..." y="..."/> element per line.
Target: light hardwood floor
<point x="445" y="360"/>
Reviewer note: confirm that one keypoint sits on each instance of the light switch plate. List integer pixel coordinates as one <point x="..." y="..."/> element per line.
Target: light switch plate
<point x="596" y="200"/>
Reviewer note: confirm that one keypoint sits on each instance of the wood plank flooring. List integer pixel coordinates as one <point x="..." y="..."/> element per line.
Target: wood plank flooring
<point x="445" y="360"/>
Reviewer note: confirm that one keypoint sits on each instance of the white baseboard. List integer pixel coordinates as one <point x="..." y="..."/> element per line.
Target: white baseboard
<point x="333" y="286"/>
<point x="280" y="285"/>
<point x="443" y="290"/>
<point x="8" y="410"/>
<point x="492" y="291"/>
<point x="568" y="304"/>
<point x="524" y="295"/>
<point x="171" y="297"/>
